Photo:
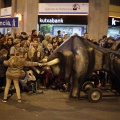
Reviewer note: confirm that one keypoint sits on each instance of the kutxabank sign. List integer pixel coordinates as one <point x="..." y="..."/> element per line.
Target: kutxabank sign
<point x="9" y="22"/>
<point x="63" y="8"/>
<point x="51" y="20"/>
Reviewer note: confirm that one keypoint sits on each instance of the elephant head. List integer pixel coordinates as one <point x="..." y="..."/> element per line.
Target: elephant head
<point x="70" y="60"/>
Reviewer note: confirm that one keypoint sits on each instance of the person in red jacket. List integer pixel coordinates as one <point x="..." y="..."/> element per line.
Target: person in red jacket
<point x="34" y="34"/>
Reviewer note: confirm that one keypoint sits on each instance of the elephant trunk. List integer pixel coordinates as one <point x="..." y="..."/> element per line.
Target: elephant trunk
<point x="52" y="62"/>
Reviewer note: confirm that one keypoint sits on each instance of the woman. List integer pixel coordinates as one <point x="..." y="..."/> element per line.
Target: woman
<point x="23" y="46"/>
<point x="39" y="72"/>
<point x="9" y="44"/>
<point x="15" y="66"/>
<point x="38" y="56"/>
<point x="35" y="47"/>
<point x="14" y="49"/>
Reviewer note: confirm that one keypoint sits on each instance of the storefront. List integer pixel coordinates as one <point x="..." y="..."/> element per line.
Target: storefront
<point x="5" y="12"/>
<point x="114" y="27"/>
<point x="66" y="24"/>
<point x="69" y="18"/>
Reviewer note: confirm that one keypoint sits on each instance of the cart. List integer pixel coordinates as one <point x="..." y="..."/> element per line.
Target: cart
<point x="95" y="94"/>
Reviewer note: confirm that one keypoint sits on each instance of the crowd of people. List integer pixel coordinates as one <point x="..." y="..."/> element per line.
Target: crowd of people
<point x="22" y="55"/>
<point x="35" y="49"/>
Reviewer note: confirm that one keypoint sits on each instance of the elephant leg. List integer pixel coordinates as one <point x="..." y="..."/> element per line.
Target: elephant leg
<point x="80" y="83"/>
<point x="80" y="68"/>
<point x="74" y="88"/>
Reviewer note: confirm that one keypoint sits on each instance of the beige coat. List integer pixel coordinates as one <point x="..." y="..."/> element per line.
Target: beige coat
<point x="14" y="71"/>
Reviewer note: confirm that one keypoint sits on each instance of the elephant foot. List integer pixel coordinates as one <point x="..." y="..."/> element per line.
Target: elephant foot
<point x="73" y="97"/>
<point x="73" y="94"/>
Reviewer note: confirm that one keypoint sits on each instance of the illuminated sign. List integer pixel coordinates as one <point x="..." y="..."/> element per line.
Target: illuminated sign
<point x="114" y="21"/>
<point x="9" y="22"/>
<point x="52" y="20"/>
<point x="19" y="16"/>
<point x="59" y="19"/>
<point x="6" y="11"/>
<point x="63" y="8"/>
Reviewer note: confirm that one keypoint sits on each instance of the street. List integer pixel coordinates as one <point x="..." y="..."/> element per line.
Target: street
<point x="56" y="105"/>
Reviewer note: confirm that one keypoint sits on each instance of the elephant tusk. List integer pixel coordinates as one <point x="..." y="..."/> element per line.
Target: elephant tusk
<point x="53" y="62"/>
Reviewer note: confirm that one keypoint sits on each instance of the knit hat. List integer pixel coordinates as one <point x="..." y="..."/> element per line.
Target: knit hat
<point x="16" y="41"/>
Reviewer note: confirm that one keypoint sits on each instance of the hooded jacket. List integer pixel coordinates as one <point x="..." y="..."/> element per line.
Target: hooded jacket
<point x="14" y="70"/>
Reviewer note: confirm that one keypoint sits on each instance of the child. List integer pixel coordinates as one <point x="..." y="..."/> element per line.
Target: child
<point x="15" y="66"/>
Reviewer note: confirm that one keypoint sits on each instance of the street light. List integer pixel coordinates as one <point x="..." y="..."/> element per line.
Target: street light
<point x="19" y="16"/>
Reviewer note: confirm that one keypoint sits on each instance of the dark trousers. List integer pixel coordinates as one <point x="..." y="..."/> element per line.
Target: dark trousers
<point x="2" y="81"/>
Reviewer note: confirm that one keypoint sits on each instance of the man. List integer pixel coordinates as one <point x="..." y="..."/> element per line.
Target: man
<point x="34" y="47"/>
<point x="86" y="36"/>
<point x="23" y="36"/>
<point x="103" y="41"/>
<point x="59" y="34"/>
<point x="33" y="34"/>
<point x="40" y="36"/>
<point x="46" y="41"/>
<point x="109" y="42"/>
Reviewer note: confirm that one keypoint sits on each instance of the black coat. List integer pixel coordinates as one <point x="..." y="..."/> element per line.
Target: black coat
<point x="3" y="68"/>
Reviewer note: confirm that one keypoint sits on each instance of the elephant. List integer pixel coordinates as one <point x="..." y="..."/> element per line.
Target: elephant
<point x="76" y="58"/>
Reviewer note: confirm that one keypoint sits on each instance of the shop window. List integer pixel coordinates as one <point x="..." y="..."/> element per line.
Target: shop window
<point x="6" y="3"/>
<point x="115" y="2"/>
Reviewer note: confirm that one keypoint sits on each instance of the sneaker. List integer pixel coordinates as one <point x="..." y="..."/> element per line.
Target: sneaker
<point x="19" y="100"/>
<point x="4" y="100"/>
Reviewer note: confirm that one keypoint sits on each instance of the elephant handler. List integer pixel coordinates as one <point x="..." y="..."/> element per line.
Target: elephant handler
<point x="15" y="66"/>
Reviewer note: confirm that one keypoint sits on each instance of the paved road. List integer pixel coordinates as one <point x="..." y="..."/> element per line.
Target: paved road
<point x="55" y="105"/>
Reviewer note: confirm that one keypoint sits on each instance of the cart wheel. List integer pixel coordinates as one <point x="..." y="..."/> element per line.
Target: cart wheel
<point x="94" y="95"/>
<point x="87" y="86"/>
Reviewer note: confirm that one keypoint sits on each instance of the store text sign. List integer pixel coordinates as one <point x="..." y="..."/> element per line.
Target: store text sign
<point x="6" y="11"/>
<point x="63" y="8"/>
<point x="114" y="21"/>
<point x="50" y="20"/>
<point x="9" y="22"/>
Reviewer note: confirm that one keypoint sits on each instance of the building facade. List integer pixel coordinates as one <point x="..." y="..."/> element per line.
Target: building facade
<point x="96" y="22"/>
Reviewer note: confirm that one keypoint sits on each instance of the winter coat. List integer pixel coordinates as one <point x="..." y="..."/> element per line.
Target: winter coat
<point x="14" y="50"/>
<point x="14" y="70"/>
